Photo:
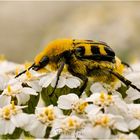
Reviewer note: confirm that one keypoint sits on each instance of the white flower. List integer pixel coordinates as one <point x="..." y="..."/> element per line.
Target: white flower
<point x="122" y="136"/>
<point x="16" y="90"/>
<point x="43" y="117"/>
<point x="97" y="87"/>
<point x="11" y="116"/>
<point x="3" y="81"/>
<point x="31" y="78"/>
<point x="64" y="79"/>
<point x="100" y="125"/>
<point x="133" y="116"/>
<point x="133" y="94"/>
<point x="72" y="101"/>
<point x="7" y="67"/>
<point x="67" y="127"/>
<point x="110" y="103"/>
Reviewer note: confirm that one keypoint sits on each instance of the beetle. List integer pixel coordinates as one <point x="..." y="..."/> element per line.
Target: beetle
<point x="84" y="59"/>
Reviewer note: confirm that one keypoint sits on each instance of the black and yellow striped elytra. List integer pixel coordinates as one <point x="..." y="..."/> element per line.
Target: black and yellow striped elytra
<point x="82" y="58"/>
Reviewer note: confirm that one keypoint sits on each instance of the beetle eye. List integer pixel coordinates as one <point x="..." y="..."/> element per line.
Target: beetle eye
<point x="80" y="51"/>
<point x="44" y="61"/>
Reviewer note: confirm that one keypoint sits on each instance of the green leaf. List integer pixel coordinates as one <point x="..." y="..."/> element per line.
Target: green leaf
<point x="122" y="90"/>
<point x="58" y="92"/>
<point x="16" y="134"/>
<point x="32" y="103"/>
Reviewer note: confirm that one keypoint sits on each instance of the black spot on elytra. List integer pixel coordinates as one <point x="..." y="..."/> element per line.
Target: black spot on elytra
<point x="109" y="51"/>
<point x="95" y="50"/>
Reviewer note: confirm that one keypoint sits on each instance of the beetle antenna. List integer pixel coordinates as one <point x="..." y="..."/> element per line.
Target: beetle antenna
<point x="25" y="70"/>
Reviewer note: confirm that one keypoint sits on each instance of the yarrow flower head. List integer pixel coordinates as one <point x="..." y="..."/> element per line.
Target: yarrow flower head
<point x="67" y="127"/>
<point x="64" y="80"/>
<point x="11" y="117"/>
<point x="44" y="117"/>
<point x="21" y="93"/>
<point x="102" y="124"/>
<point x="72" y="101"/>
<point x="110" y="103"/>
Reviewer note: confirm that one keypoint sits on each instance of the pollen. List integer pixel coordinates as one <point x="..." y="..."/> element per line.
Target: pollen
<point x="27" y="64"/>
<point x="50" y="114"/>
<point x="9" y="89"/>
<point x="102" y="97"/>
<point x="102" y="50"/>
<point x="12" y="105"/>
<point x="6" y="113"/>
<point x="47" y="116"/>
<point x="17" y="71"/>
<point x="71" y="122"/>
<point x="105" y="120"/>
<point x="28" y="74"/>
<point x="82" y="107"/>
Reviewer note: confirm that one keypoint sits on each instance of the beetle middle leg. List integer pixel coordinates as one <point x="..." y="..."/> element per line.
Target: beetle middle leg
<point x="60" y="69"/>
<point x="82" y="77"/>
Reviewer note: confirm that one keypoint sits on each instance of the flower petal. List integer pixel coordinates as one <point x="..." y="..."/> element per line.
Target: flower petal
<point x="29" y="91"/>
<point x="134" y="123"/>
<point x="20" y="119"/>
<point x="22" y="98"/>
<point x="101" y="132"/>
<point x="97" y="87"/>
<point x="66" y="101"/>
<point x="34" y="85"/>
<point x="4" y="100"/>
<point x="35" y="127"/>
<point x="6" y="127"/>
<point x="61" y="82"/>
<point x="72" y="82"/>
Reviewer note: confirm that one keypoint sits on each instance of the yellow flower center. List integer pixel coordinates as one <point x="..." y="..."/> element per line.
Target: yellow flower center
<point x="8" y="111"/>
<point x="105" y="99"/>
<point x="71" y="122"/>
<point x="103" y="121"/>
<point x="47" y="116"/>
<point x="80" y="106"/>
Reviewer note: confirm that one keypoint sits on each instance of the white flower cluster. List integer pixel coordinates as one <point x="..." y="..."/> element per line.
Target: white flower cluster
<point x="103" y="113"/>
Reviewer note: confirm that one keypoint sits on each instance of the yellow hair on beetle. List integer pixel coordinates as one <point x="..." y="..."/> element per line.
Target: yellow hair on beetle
<point x="84" y="59"/>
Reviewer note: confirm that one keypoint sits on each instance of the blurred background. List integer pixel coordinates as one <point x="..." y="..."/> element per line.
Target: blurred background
<point x="26" y="27"/>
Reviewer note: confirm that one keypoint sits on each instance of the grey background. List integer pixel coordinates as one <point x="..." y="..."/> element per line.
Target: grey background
<point x="26" y="27"/>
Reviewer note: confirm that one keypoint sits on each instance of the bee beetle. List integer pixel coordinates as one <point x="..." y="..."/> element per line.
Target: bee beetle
<point x="84" y="59"/>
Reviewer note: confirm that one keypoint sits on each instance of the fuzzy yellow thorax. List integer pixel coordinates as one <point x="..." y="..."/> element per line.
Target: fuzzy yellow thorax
<point x="54" y="48"/>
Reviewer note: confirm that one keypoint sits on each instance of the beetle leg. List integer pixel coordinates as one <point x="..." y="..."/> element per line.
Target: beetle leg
<point x="60" y="69"/>
<point x="82" y="77"/>
<point x="127" y="65"/>
<point x="124" y="80"/>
